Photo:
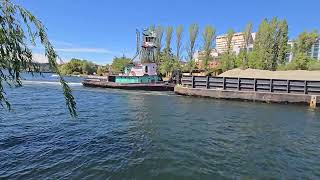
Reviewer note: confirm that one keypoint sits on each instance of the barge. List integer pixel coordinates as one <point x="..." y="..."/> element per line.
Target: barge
<point x="252" y="89"/>
<point x="101" y="83"/>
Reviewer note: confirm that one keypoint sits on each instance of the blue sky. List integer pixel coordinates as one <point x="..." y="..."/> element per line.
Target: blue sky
<point x="98" y="30"/>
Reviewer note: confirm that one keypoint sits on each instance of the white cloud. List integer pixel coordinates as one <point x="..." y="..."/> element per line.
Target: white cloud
<point x="61" y="43"/>
<point x="84" y="50"/>
<point x="68" y="47"/>
<point x="41" y="58"/>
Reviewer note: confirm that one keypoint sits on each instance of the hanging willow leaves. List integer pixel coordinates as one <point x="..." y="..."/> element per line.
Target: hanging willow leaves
<point x="19" y="26"/>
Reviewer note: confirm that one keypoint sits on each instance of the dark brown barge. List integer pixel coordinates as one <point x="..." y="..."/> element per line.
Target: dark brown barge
<point x="104" y="83"/>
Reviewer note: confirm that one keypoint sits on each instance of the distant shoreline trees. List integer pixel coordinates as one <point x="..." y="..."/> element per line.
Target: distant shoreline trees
<point x="269" y="52"/>
<point x="77" y="67"/>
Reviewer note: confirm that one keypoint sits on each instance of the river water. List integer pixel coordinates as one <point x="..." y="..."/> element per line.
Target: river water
<point x="141" y="135"/>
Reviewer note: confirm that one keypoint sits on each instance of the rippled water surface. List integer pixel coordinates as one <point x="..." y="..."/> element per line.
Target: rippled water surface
<point x="141" y="135"/>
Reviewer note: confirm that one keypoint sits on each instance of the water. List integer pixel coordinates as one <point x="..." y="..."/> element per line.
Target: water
<point x="141" y="135"/>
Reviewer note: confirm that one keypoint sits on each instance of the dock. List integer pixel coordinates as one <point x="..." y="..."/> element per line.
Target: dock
<point x="251" y="89"/>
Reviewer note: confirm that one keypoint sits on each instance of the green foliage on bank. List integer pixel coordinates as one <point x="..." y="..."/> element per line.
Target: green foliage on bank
<point x="78" y="66"/>
<point x="270" y="49"/>
<point x="119" y="63"/>
<point x="102" y="70"/>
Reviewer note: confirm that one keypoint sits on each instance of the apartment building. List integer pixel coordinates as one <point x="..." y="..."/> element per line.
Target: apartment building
<point x="237" y="42"/>
<point x="199" y="56"/>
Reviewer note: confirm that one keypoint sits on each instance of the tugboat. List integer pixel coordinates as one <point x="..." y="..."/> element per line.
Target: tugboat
<point x="138" y="75"/>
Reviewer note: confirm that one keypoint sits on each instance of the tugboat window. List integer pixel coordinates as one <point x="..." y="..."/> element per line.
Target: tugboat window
<point x="146" y="69"/>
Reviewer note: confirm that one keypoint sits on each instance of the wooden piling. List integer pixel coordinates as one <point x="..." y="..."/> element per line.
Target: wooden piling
<point x="313" y="102"/>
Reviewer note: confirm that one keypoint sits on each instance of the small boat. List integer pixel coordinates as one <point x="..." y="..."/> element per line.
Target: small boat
<point x="137" y="75"/>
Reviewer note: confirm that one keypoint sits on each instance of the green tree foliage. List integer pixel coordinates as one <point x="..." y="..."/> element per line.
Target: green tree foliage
<point x="301" y="59"/>
<point x="282" y="42"/>
<point x="228" y="58"/>
<point x="169" y="31"/>
<point x="89" y="67"/>
<point x="314" y="65"/>
<point x="100" y="71"/>
<point x="193" y="34"/>
<point x="78" y="66"/>
<point x="208" y="37"/>
<point x="301" y="62"/>
<point x="240" y="60"/>
<point x="261" y="48"/>
<point x="18" y="26"/>
<point x="103" y="69"/>
<point x="270" y="45"/>
<point x="119" y="63"/>
<point x="169" y="64"/>
<point x="243" y="60"/>
<point x="179" y="32"/>
<point x="159" y="32"/>
<point x="305" y="41"/>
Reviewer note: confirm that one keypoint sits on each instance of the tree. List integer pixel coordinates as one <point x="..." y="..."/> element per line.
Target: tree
<point x="305" y="41"/>
<point x="228" y="57"/>
<point x="169" y="65"/>
<point x="256" y="58"/>
<point x="302" y="45"/>
<point x="167" y="58"/>
<point x="78" y="66"/>
<point x="88" y="67"/>
<point x="159" y="32"/>
<point x="208" y="37"/>
<point x="240" y="60"/>
<point x="300" y="61"/>
<point x="273" y="32"/>
<point x="179" y="32"/>
<point x="247" y="41"/>
<point x="102" y="70"/>
<point x="270" y="45"/>
<point x="16" y="56"/>
<point x="119" y="63"/>
<point x="71" y="67"/>
<point x="283" y="42"/>
<point x="193" y="33"/>
<point x="169" y="31"/>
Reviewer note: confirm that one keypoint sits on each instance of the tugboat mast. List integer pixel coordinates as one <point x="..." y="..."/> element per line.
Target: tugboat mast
<point x="147" y="50"/>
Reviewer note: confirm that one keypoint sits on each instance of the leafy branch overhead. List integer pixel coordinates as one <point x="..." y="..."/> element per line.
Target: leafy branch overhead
<point x="15" y="54"/>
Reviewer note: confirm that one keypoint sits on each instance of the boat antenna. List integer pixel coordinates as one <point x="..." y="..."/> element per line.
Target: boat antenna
<point x="138" y="44"/>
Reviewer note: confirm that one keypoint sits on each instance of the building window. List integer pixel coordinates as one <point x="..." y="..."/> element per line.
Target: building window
<point x="146" y="69"/>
